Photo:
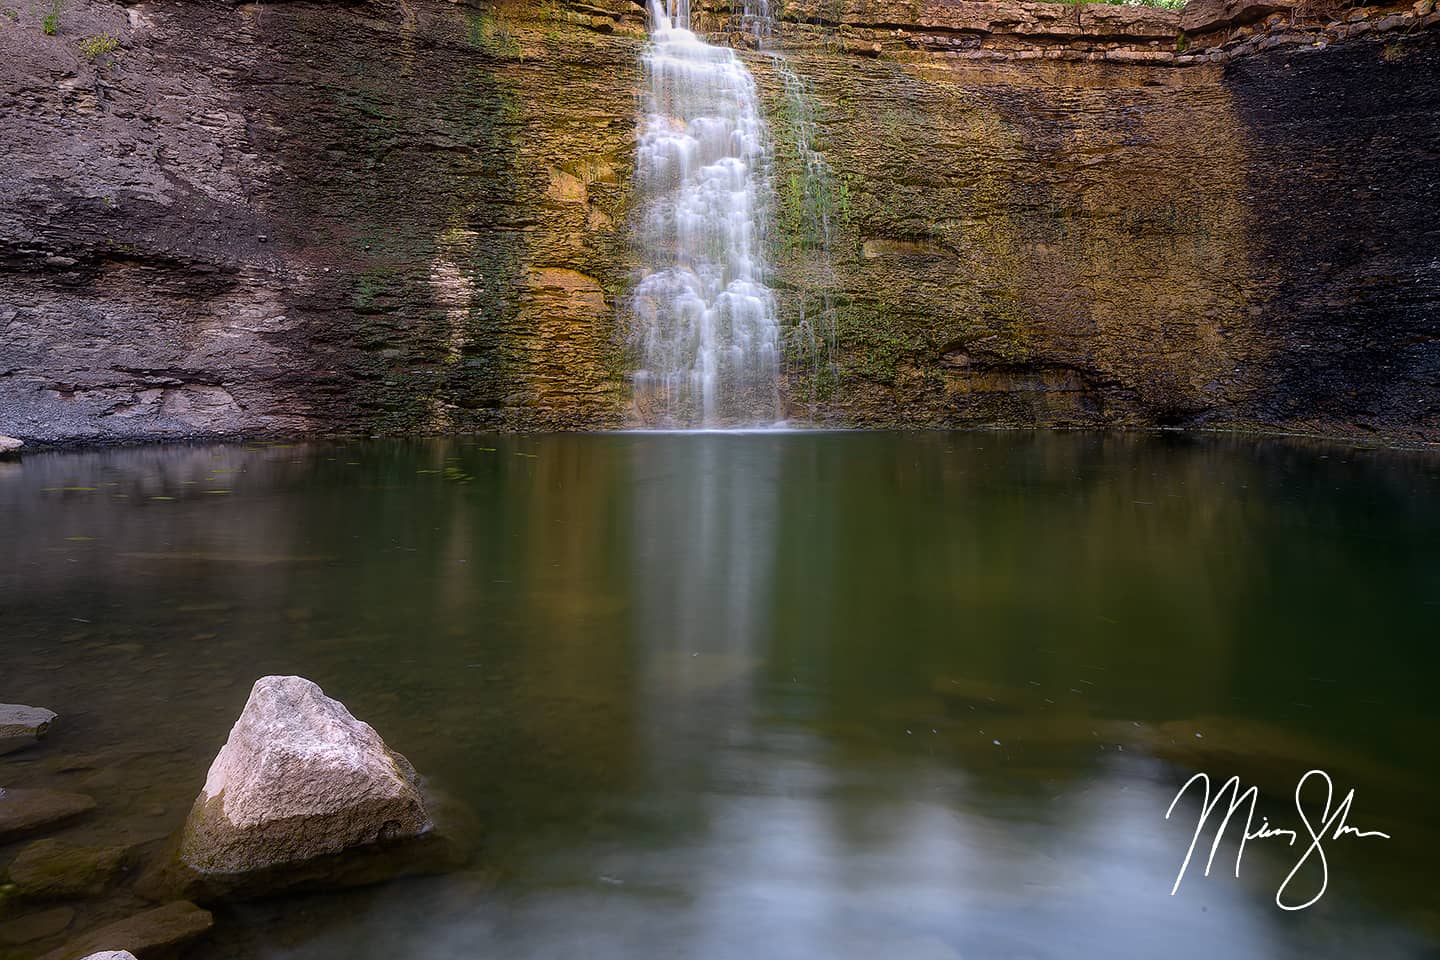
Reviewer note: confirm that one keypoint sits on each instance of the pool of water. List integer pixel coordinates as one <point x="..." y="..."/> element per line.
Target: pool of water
<point x="766" y="695"/>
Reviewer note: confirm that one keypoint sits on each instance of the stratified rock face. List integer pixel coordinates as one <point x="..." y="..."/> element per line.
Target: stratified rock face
<point x="1050" y="236"/>
<point x="271" y="219"/>
<point x="300" y="778"/>
<point x="22" y="726"/>
<point x="412" y="216"/>
<point x="1344" y="260"/>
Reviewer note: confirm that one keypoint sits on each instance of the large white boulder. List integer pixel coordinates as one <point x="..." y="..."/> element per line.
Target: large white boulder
<point x="299" y="778"/>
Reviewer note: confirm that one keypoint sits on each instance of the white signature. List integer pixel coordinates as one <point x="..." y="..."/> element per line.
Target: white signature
<point x="1331" y="826"/>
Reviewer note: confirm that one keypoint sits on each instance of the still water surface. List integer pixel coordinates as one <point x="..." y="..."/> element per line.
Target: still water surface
<point x="779" y="695"/>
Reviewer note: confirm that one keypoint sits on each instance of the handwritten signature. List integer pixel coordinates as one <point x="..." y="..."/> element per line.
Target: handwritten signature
<point x="1331" y="826"/>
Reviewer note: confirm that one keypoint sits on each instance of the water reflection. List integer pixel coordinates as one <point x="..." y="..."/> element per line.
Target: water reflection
<point x="788" y="695"/>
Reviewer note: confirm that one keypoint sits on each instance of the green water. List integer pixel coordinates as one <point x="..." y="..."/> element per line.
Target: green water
<point x="765" y="695"/>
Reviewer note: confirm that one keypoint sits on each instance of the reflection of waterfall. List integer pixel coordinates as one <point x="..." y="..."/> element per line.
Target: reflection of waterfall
<point x="706" y="323"/>
<point x="703" y="568"/>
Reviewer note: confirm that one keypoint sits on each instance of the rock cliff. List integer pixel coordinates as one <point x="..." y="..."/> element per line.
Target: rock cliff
<point x="225" y="219"/>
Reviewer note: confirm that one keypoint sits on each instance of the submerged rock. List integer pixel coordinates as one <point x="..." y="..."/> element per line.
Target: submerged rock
<point x="1267" y="755"/>
<point x="983" y="694"/>
<point x="23" y="812"/>
<point x="163" y="929"/>
<point x="22" y="726"/>
<point x="49" y="869"/>
<point x="302" y="794"/>
<point x="36" y="926"/>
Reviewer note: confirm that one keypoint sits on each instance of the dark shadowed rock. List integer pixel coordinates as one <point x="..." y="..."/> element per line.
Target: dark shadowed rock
<point x="302" y="794"/>
<point x="49" y="869"/>
<point x="21" y="726"/>
<point x="152" y="933"/>
<point x="23" y="812"/>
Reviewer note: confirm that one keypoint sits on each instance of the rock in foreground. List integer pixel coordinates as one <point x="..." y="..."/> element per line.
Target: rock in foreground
<point x="9" y="444"/>
<point x="161" y="930"/>
<point x="22" y="726"/>
<point x="302" y="794"/>
<point x="298" y="779"/>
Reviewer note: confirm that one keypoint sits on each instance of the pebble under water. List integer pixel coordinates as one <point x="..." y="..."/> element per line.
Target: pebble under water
<point x="714" y="696"/>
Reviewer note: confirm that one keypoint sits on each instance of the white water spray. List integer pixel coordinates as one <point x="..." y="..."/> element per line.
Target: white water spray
<point x="706" y="322"/>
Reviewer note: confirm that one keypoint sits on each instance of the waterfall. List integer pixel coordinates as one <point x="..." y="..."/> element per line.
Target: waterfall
<point x="706" y="326"/>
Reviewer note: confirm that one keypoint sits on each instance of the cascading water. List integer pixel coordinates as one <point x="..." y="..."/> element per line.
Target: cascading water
<point x="813" y="200"/>
<point x="706" y="326"/>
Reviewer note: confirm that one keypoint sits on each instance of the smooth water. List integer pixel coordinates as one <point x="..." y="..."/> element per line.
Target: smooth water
<point x="765" y="695"/>
<point x="706" y="324"/>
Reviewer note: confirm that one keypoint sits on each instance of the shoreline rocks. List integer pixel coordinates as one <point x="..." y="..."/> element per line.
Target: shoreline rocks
<point x="301" y="795"/>
<point x="9" y="444"/>
<point x="22" y="726"/>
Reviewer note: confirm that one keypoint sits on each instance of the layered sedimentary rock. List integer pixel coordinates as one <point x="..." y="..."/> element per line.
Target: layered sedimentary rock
<point x="410" y="217"/>
<point x="1131" y="230"/>
<point x="309" y="217"/>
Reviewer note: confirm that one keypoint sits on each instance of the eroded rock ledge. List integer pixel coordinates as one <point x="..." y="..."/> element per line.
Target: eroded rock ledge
<point x="1204" y="31"/>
